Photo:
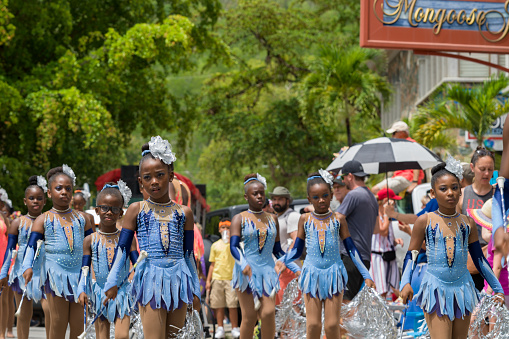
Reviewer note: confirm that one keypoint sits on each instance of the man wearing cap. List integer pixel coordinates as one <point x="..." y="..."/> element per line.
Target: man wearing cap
<point x="405" y="179"/>
<point x="339" y="189"/>
<point x="358" y="212"/>
<point x="288" y="225"/>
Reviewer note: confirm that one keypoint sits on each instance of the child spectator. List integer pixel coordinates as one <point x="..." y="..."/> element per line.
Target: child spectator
<point x="222" y="295"/>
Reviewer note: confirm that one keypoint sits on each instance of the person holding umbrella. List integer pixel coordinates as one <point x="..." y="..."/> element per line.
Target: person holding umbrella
<point x="403" y="179"/>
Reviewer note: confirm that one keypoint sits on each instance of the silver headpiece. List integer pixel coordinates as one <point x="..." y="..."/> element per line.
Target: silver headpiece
<point x="262" y="180"/>
<point x="68" y="170"/>
<point x="86" y="192"/>
<point x="125" y="191"/>
<point x="454" y="166"/>
<point x="5" y="197"/>
<point x="42" y="183"/>
<point x="161" y="149"/>
<point x="326" y="176"/>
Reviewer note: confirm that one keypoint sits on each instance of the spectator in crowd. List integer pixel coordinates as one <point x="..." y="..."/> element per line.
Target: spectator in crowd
<point x="218" y="287"/>
<point x="359" y="211"/>
<point x="405" y="179"/>
<point x="288" y="225"/>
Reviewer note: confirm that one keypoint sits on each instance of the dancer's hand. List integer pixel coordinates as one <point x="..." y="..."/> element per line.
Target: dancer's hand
<point x="280" y="267"/>
<point x="196" y="303"/>
<point x="297" y="274"/>
<point x="110" y="294"/>
<point x="27" y="275"/>
<point x="247" y="271"/>
<point x="3" y="283"/>
<point x="83" y="299"/>
<point x="499" y="298"/>
<point x="370" y="283"/>
<point x="407" y="294"/>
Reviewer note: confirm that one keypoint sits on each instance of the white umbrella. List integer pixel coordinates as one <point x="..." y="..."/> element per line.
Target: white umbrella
<point x="387" y="154"/>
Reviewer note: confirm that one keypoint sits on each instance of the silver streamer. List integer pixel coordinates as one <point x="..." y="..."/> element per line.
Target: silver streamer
<point x="291" y="313"/>
<point x="193" y="329"/>
<point x="487" y="313"/>
<point x="367" y="316"/>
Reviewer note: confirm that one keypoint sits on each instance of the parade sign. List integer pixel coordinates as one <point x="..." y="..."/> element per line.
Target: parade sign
<point x="436" y="25"/>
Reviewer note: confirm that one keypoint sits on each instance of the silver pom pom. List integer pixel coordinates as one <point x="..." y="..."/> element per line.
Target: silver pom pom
<point x="161" y="149"/>
<point x="488" y="312"/>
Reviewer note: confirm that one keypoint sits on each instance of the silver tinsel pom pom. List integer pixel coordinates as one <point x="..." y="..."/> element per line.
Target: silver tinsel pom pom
<point x="291" y="313"/>
<point x="489" y="312"/>
<point x="367" y="316"/>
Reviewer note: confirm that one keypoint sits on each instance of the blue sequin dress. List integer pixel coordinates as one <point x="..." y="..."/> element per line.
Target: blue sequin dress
<point x="34" y="289"/>
<point x="163" y="279"/>
<point x="447" y="286"/>
<point x="103" y="251"/>
<point x="323" y="273"/>
<point x="63" y="253"/>
<point x="258" y="246"/>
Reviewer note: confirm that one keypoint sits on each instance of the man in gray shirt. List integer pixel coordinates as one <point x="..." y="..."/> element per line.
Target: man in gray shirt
<point x="359" y="212"/>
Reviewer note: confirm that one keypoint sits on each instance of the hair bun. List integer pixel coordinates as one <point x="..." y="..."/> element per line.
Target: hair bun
<point x="32" y="180"/>
<point x="145" y="147"/>
<point x="438" y="167"/>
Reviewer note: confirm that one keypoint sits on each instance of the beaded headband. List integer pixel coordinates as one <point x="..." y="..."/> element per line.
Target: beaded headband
<point x="259" y="178"/>
<point x="160" y="149"/>
<point x="42" y="183"/>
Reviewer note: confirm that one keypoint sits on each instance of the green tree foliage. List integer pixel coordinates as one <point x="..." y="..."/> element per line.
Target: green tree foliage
<point x="470" y="109"/>
<point x="263" y="115"/>
<point x="77" y="78"/>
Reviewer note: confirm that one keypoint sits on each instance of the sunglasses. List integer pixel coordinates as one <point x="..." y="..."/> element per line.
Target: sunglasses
<point x="114" y="210"/>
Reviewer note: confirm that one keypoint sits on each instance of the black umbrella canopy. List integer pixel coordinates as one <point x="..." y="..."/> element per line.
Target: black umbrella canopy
<point x="387" y="154"/>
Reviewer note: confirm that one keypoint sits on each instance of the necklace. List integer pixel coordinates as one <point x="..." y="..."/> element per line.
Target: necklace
<point x="322" y="214"/>
<point x="106" y="233"/>
<point x="447" y="215"/>
<point x="61" y="211"/>
<point x="159" y="203"/>
<point x="255" y="212"/>
<point x="31" y="216"/>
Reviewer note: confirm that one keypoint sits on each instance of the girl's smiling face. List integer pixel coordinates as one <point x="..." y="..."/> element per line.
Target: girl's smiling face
<point x="320" y="196"/>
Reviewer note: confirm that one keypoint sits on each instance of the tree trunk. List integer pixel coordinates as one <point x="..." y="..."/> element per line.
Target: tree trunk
<point x="348" y="132"/>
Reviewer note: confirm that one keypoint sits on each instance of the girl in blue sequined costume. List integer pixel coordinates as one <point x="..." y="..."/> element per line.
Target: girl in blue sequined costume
<point x="63" y="231"/>
<point x="167" y="280"/>
<point x="98" y="250"/>
<point x="19" y="232"/>
<point x="447" y="293"/>
<point x="254" y="273"/>
<point x="324" y="276"/>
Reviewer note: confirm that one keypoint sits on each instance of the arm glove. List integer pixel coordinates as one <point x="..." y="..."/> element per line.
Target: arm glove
<point x="291" y="255"/>
<point x="11" y="246"/>
<point x="483" y="267"/>
<point x="82" y="288"/>
<point x="408" y="268"/>
<point x="356" y="258"/>
<point x="237" y="252"/>
<point x="124" y="245"/>
<point x="28" y="259"/>
<point x="190" y="261"/>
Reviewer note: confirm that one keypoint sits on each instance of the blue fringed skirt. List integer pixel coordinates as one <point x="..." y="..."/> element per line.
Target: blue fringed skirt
<point x="117" y="308"/>
<point x="454" y="299"/>
<point x="323" y="283"/>
<point x="263" y="280"/>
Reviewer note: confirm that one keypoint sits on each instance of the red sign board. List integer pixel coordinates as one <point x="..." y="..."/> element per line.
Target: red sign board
<point x="436" y="25"/>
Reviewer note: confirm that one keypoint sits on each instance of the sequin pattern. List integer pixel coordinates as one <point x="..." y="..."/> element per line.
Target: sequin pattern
<point x="322" y="233"/>
<point x="103" y="250"/>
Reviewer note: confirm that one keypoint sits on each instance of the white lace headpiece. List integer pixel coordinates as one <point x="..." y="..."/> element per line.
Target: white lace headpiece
<point x="68" y="170"/>
<point x="454" y="166"/>
<point x="5" y="197"/>
<point x="125" y="191"/>
<point x="42" y="183"/>
<point x="161" y="149"/>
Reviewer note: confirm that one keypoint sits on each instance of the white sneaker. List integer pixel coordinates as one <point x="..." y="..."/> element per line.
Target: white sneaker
<point x="219" y="333"/>
<point x="236" y="332"/>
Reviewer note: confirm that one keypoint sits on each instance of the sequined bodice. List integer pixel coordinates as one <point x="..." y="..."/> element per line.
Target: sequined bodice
<point x="447" y="246"/>
<point x="24" y="230"/>
<point x="161" y="232"/>
<point x="103" y="250"/>
<point x="258" y="234"/>
<point x="63" y="238"/>
<point x="322" y="240"/>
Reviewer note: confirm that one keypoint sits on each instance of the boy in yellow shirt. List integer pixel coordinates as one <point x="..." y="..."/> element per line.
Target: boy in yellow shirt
<point x="219" y="278"/>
